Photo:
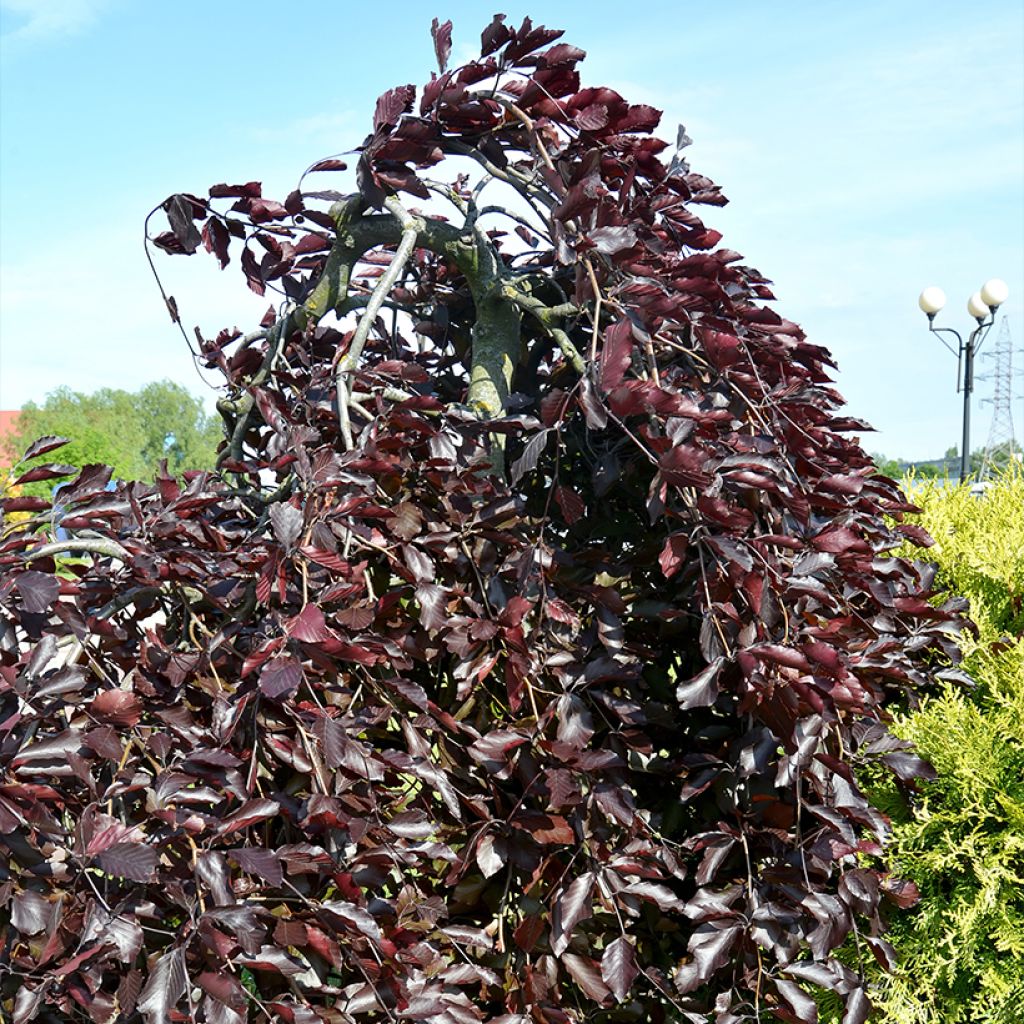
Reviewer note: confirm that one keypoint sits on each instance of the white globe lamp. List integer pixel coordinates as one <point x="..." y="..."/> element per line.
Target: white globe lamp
<point x="994" y="292"/>
<point x="977" y="306"/>
<point x="932" y="300"/>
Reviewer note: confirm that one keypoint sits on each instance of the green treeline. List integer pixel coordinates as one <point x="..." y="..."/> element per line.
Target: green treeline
<point x="130" y="431"/>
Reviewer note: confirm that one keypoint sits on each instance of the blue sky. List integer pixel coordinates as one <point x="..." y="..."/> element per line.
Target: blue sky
<point x="868" y="150"/>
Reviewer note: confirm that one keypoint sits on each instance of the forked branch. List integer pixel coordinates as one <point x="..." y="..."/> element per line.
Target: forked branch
<point x="348" y="363"/>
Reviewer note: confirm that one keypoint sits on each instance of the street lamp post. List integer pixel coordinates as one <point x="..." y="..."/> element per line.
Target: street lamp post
<point x="982" y="306"/>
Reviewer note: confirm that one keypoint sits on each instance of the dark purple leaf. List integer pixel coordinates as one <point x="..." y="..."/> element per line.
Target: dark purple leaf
<point x="249" y="813"/>
<point x="213" y="871"/>
<point x="271" y="959"/>
<point x="420" y="564"/>
<point x="308" y="626"/>
<point x="491" y="854"/>
<point x="264" y="863"/>
<point x="329" y="164"/>
<point x="224" y="988"/>
<point x="250" y="190"/>
<point x="619" y="968"/>
<point x="27" y="1002"/>
<point x="442" y="36"/>
<point x="715" y="853"/>
<point x="800" y="1002"/>
<point x="51" y="471"/>
<point x="592" y="119"/>
<point x="858" y="1007"/>
<point x="62" y="746"/>
<point x="918" y="534"/>
<point x="38" y="590"/>
<point x="908" y="767"/>
<point x="611" y="240"/>
<point x="587" y="974"/>
<point x="594" y="412"/>
<point x="217" y="239"/>
<point x="575" y="722"/>
<point x="571" y="504"/>
<point x="573" y="905"/>
<point x="495" y="35"/>
<point x="116" y="707"/>
<point x="24" y="504"/>
<point x="672" y="554"/>
<point x="660" y="895"/>
<point x="616" y="354"/>
<point x="122" y="931"/>
<point x="527" y="462"/>
<point x="432" y="600"/>
<point x="281" y="676"/>
<point x="43" y="445"/>
<point x="901" y="891"/>
<point x="702" y="690"/>
<point x="180" y="214"/>
<point x="711" y="945"/>
<point x="815" y="973"/>
<point x="135" y="861"/>
<point x="30" y="912"/>
<point x="391" y="105"/>
<point x="164" y="987"/>
<point x="355" y="916"/>
<point x="252" y="272"/>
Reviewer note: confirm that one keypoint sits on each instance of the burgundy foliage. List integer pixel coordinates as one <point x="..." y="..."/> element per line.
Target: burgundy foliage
<point x="421" y="731"/>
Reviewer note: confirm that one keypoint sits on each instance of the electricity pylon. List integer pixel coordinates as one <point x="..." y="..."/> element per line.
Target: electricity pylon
<point x="1002" y="442"/>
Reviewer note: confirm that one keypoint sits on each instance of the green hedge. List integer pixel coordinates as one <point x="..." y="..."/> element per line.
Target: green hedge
<point x="961" y="950"/>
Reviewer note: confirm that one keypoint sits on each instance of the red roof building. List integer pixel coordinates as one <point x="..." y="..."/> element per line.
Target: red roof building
<point x="8" y="423"/>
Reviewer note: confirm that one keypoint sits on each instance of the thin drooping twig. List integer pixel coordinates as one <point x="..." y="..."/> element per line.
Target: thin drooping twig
<point x="528" y="124"/>
<point x="652" y="362"/>
<point x="529" y="225"/>
<point x="348" y="362"/>
<point x="597" y="309"/>
<point x="530" y="192"/>
<point x="245" y="407"/>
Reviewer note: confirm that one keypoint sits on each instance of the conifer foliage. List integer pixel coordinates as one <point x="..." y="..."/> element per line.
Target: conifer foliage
<point x="515" y="664"/>
<point x="961" y="951"/>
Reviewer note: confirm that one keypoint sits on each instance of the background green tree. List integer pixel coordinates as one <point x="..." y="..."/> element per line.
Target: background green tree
<point x="130" y="431"/>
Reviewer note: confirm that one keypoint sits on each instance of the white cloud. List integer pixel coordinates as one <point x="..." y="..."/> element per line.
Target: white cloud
<point x="42" y="19"/>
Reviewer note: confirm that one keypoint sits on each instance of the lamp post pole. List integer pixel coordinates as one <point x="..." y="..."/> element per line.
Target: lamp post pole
<point x="982" y="306"/>
<point x="968" y="385"/>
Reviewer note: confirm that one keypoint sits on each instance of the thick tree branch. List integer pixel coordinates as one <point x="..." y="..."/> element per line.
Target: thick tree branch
<point x="496" y="331"/>
<point x="548" y="317"/>
<point x="348" y="363"/>
<point x="99" y="546"/>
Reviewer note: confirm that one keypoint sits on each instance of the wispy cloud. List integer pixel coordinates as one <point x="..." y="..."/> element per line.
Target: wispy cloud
<point x="43" y="19"/>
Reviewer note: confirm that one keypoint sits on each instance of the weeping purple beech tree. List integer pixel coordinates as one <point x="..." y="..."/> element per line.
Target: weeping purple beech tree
<point x="519" y="662"/>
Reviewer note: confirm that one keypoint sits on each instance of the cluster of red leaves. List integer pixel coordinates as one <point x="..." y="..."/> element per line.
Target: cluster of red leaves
<point x="417" y="741"/>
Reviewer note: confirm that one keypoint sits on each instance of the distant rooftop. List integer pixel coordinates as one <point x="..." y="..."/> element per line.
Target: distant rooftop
<point x="8" y="418"/>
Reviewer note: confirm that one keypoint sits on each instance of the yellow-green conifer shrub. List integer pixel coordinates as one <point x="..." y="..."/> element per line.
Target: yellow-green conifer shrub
<point x="961" y="950"/>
